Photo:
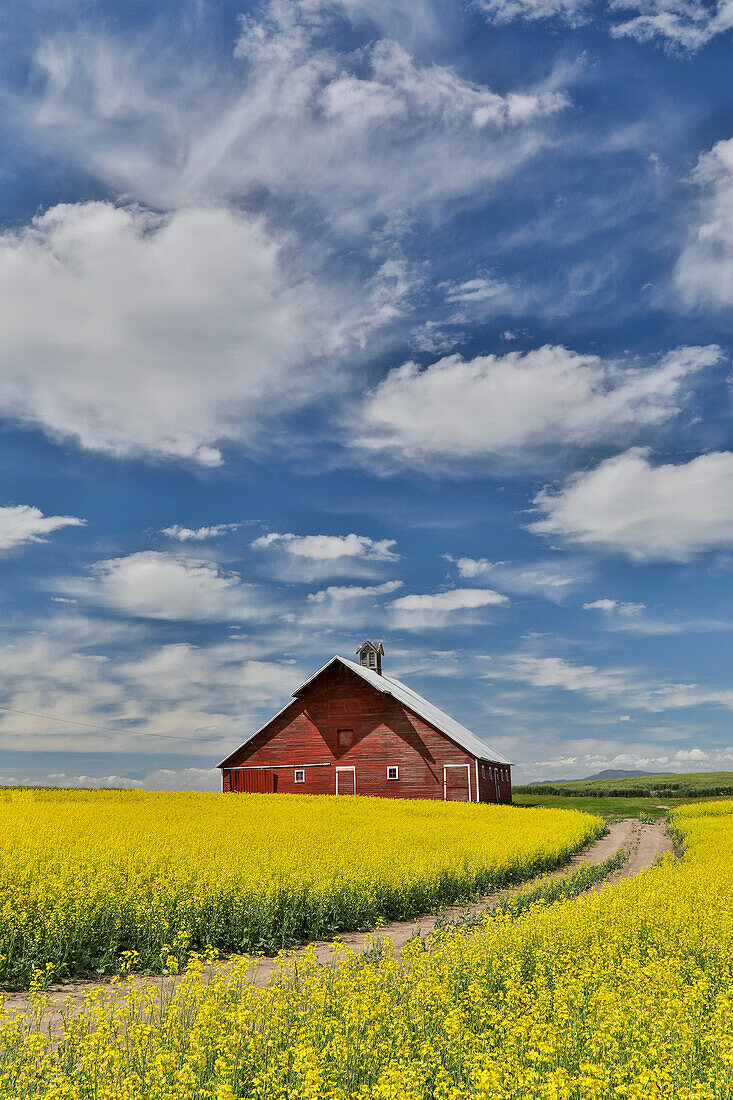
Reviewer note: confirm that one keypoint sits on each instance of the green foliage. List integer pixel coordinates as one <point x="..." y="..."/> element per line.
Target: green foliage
<point x="670" y="785"/>
<point x="610" y="809"/>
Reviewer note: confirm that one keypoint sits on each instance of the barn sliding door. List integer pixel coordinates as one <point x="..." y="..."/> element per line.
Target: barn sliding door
<point x="253" y="780"/>
<point x="457" y="782"/>
<point x="345" y="780"/>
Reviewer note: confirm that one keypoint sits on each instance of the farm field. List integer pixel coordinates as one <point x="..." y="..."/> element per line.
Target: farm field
<point x="663" y="787"/>
<point x="610" y="809"/>
<point x="89" y="876"/>
<point x="619" y="994"/>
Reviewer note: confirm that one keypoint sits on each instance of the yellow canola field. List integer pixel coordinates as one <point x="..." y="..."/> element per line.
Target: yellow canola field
<point x="88" y="875"/>
<point x="621" y="994"/>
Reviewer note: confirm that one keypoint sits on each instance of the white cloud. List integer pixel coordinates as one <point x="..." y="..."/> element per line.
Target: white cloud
<point x="113" y="674"/>
<point x="483" y="288"/>
<point x="313" y="557"/>
<point x="552" y="581"/>
<point x="504" y="11"/>
<point x="683" y="25"/>
<point x="198" y="534"/>
<point x="616" y="606"/>
<point x="156" y="585"/>
<point x="679" y="24"/>
<point x="704" y="272"/>
<point x="21" y="523"/>
<point x="155" y="779"/>
<point x="516" y="404"/>
<point x="329" y="547"/>
<point x="456" y="599"/>
<point x="350" y="592"/>
<point x="108" y="311"/>
<point x="638" y="758"/>
<point x="348" y="605"/>
<point x="618" y="686"/>
<point x="366" y="133"/>
<point x="647" y="512"/>
<point x="633" y="617"/>
<point x="438" y="609"/>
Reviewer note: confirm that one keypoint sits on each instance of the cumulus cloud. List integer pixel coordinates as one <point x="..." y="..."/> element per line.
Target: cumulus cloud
<point x="420" y="610"/>
<point x="704" y="271"/>
<point x="198" y="534"/>
<point x="156" y="585"/>
<point x="628" y="505"/>
<point x="310" y="557"/>
<point x="329" y="547"/>
<point x="22" y="523"/>
<point x="107" y="311"/>
<point x="347" y="605"/>
<point x="516" y="404"/>
<point x="366" y="132"/>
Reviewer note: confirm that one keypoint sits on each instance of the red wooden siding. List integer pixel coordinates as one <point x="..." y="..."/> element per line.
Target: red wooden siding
<point x="340" y="721"/>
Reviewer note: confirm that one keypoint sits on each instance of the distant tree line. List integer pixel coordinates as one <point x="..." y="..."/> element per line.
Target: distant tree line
<point x="659" y="790"/>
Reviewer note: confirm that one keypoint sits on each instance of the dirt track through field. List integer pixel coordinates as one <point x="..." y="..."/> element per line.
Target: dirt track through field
<point x="643" y="844"/>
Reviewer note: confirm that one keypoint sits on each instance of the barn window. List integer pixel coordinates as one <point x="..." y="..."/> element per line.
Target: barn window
<point x="483" y="771"/>
<point x="393" y="772"/>
<point x="300" y="775"/>
<point x="345" y="738"/>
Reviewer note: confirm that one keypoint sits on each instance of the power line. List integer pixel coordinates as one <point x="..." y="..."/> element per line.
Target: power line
<point x="115" y="729"/>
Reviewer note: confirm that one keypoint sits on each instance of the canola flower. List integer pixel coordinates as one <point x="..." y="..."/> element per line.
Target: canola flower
<point x="621" y="994"/>
<point x="88" y="878"/>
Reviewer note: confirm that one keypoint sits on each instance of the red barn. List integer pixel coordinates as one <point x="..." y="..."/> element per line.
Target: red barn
<point x="349" y="729"/>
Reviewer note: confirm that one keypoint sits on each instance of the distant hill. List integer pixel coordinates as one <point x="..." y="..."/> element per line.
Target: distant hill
<point x="609" y="773"/>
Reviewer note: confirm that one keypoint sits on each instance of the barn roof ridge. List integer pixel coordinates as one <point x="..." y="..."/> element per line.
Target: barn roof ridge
<point x="388" y="685"/>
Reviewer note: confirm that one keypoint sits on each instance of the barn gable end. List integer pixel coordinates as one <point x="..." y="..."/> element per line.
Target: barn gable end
<point x="344" y="734"/>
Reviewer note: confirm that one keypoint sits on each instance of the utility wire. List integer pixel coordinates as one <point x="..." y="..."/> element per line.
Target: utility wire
<point x="115" y="729"/>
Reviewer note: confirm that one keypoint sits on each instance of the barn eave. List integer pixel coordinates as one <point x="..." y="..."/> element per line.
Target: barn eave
<point x="387" y="685"/>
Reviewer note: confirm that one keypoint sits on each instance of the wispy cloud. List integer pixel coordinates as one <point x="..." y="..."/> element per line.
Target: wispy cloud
<point x="624" y="686"/>
<point x="550" y="580"/>
<point x="22" y="523"/>
<point x="367" y="133"/>
<point x="198" y="534"/>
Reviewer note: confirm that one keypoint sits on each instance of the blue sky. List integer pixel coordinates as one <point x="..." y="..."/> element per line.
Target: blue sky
<point x="335" y="319"/>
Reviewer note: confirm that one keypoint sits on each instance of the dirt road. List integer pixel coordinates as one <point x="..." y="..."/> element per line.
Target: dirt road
<point x="644" y="844"/>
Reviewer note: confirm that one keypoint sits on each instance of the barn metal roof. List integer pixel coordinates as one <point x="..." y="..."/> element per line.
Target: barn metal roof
<point x="388" y="685"/>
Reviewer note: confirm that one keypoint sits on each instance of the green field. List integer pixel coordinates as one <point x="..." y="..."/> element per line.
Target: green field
<point x="662" y="788"/>
<point x="609" y="808"/>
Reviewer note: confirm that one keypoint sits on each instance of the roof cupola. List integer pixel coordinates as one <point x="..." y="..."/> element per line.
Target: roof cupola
<point x="370" y="656"/>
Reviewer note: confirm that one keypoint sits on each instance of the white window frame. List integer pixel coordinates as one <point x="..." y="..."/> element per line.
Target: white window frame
<point x="393" y="768"/>
<point x="299" y="772"/>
